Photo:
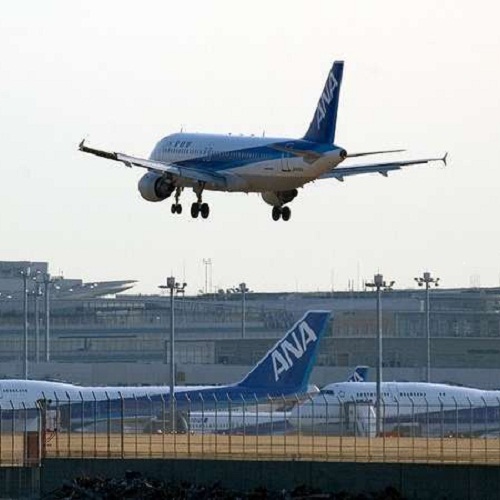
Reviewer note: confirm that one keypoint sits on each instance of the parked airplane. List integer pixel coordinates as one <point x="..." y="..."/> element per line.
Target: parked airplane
<point x="241" y="420"/>
<point x="421" y="407"/>
<point x="284" y="370"/>
<point x="274" y="167"/>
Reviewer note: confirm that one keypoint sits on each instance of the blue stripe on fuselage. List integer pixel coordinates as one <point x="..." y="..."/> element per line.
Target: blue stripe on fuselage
<point x="224" y="160"/>
<point x="218" y="398"/>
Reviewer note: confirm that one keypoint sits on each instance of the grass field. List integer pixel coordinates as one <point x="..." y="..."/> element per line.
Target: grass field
<point x="16" y="450"/>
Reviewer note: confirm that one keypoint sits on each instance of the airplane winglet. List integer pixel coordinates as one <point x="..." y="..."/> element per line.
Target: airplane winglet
<point x="81" y="145"/>
<point x="443" y="159"/>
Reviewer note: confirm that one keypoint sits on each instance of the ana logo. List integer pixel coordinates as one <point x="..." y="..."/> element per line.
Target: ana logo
<point x="292" y="348"/>
<point x="326" y="98"/>
<point x="356" y="377"/>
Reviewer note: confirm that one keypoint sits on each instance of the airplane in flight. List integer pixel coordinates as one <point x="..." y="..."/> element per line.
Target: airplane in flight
<point x="284" y="370"/>
<point x="274" y="167"/>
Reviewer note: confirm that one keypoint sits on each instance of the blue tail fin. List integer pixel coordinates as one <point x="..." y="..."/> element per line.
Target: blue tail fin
<point x="322" y="128"/>
<point x="359" y="375"/>
<point x="289" y="363"/>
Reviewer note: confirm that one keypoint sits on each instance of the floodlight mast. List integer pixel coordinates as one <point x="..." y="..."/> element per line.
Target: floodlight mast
<point x="427" y="279"/>
<point x="379" y="284"/>
<point x="37" y="293"/>
<point x="172" y="286"/>
<point x="26" y="274"/>
<point x="242" y="288"/>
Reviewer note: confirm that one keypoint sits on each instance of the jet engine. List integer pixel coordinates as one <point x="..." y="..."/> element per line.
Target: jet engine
<point x="279" y="198"/>
<point x="155" y="187"/>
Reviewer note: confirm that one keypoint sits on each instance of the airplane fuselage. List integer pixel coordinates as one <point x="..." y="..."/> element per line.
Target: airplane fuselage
<point x="439" y="407"/>
<point x="249" y="164"/>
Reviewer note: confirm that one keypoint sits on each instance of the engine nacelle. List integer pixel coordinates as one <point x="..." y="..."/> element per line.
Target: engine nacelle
<point x="155" y="187"/>
<point x="279" y="198"/>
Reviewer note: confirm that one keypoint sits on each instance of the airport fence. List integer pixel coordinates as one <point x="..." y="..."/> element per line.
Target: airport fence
<point x="318" y="428"/>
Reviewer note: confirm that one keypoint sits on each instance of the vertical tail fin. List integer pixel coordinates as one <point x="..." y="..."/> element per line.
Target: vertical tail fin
<point x="322" y="127"/>
<point x="288" y="364"/>
<point x="359" y="374"/>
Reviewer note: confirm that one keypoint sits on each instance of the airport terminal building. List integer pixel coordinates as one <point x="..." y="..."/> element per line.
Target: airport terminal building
<point x="95" y="324"/>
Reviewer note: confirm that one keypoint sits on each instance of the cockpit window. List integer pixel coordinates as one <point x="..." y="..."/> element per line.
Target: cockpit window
<point x="330" y="392"/>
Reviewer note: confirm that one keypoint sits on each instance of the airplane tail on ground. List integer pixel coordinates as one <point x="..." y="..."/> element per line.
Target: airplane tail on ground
<point x="322" y="127"/>
<point x="360" y="374"/>
<point x="287" y="366"/>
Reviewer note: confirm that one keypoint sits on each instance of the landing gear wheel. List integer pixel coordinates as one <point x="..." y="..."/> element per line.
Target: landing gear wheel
<point x="286" y="213"/>
<point x="176" y="208"/>
<point x="195" y="210"/>
<point x="276" y="213"/>
<point x="204" y="210"/>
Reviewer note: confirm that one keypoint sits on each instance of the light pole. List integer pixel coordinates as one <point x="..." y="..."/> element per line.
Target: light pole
<point x="208" y="285"/>
<point x="172" y="286"/>
<point x="47" y="282"/>
<point x="427" y="279"/>
<point x="25" y="273"/>
<point x="37" y="293"/>
<point x="242" y="288"/>
<point x="379" y="284"/>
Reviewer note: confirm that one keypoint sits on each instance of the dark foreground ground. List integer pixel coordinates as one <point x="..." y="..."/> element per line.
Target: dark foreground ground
<point x="135" y="485"/>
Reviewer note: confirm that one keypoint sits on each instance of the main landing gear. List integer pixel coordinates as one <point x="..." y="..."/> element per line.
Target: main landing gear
<point x="198" y="207"/>
<point x="284" y="212"/>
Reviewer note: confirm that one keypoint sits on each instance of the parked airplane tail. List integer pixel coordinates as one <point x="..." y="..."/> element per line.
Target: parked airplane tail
<point x="287" y="366"/>
<point x="360" y="374"/>
<point x="323" y="124"/>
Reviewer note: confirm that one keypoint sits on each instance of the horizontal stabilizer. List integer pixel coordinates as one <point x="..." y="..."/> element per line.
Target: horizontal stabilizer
<point x="380" y="168"/>
<point x="368" y="153"/>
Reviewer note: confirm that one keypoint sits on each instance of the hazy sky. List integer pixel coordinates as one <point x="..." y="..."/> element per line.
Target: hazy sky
<point x="424" y="76"/>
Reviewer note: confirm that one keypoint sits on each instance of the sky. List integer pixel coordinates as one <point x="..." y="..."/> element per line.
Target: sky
<point x="423" y="76"/>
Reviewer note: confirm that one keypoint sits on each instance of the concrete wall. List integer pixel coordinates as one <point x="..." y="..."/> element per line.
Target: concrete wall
<point x="19" y="482"/>
<point x="414" y="481"/>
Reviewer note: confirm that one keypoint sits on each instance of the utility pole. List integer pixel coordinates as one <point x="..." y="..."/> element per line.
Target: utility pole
<point x="379" y="284"/>
<point x="427" y="279"/>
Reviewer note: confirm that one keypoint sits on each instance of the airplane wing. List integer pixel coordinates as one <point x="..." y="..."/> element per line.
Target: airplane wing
<point x="171" y="169"/>
<point x="380" y="168"/>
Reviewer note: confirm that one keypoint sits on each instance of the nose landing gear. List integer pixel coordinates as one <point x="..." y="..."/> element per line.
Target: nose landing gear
<point x="177" y="207"/>
<point x="281" y="212"/>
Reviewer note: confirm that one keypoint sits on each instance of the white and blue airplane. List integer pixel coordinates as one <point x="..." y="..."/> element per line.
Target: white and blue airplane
<point x="274" y="167"/>
<point x="242" y="420"/>
<point x="419" y="407"/>
<point x="283" y="371"/>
